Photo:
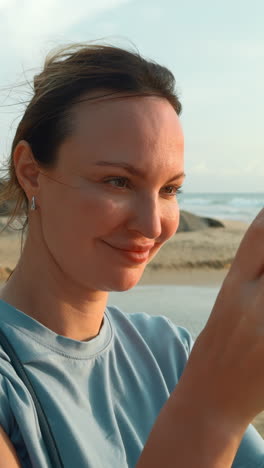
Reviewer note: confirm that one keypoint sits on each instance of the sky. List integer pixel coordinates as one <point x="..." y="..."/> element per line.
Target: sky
<point x="214" y="49"/>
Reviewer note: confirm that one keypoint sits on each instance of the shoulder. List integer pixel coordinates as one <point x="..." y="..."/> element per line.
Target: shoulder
<point x="13" y="394"/>
<point x="154" y="335"/>
<point x="153" y="328"/>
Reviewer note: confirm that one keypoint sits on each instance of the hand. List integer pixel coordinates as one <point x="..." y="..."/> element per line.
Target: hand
<point x="225" y="371"/>
<point x="222" y="386"/>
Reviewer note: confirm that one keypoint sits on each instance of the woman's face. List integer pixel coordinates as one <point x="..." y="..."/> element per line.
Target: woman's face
<point x="110" y="203"/>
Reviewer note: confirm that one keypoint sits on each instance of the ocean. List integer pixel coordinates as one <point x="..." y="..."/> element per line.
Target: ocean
<point x="237" y="206"/>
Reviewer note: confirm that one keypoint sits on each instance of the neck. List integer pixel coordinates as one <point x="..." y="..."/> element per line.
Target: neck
<point x="51" y="298"/>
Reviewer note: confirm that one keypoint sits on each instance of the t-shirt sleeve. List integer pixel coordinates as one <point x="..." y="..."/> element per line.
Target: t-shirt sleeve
<point x="169" y="344"/>
<point x="250" y="453"/>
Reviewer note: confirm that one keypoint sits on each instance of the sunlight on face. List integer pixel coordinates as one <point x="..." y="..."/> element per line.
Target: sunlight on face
<point x="115" y="206"/>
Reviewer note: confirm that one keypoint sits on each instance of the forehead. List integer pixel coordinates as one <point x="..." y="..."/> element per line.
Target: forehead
<point x="148" y="114"/>
<point x="126" y="128"/>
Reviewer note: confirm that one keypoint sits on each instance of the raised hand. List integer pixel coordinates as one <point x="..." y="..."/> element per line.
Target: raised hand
<point x="228" y="356"/>
<point x="222" y="387"/>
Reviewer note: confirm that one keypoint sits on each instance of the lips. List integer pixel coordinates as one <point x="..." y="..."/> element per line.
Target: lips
<point x="137" y="248"/>
<point x="135" y="253"/>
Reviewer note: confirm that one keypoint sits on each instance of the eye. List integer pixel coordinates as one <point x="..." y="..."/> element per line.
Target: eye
<point x="172" y="190"/>
<point x="120" y="182"/>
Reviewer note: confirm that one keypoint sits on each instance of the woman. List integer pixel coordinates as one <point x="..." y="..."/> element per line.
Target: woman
<point x="96" y="163"/>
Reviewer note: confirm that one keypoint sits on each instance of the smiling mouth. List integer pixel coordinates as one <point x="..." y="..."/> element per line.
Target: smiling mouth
<point x="133" y="256"/>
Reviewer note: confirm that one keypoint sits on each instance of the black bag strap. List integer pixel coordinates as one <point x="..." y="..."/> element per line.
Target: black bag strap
<point x="46" y="432"/>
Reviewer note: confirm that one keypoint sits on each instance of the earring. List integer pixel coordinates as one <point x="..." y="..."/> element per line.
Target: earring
<point x="33" y="204"/>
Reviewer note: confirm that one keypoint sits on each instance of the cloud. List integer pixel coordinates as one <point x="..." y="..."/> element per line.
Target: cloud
<point x="200" y="168"/>
<point x="254" y="166"/>
<point x="4" y="3"/>
<point x="250" y="167"/>
<point x="28" y="30"/>
<point x="29" y="23"/>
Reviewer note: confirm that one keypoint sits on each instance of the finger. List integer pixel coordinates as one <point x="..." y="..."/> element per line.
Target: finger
<point x="249" y="260"/>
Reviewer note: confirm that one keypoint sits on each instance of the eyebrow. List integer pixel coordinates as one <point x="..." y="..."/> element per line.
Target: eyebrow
<point x="133" y="170"/>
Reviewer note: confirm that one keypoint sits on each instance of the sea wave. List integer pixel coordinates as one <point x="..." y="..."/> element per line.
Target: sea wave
<point x="236" y="206"/>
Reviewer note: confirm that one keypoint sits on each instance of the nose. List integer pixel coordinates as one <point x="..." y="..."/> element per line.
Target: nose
<point x="146" y="218"/>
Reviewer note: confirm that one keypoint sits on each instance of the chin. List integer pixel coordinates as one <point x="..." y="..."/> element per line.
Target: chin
<point x="124" y="282"/>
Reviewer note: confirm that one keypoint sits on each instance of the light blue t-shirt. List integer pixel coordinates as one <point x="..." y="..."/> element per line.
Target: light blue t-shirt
<point x="101" y="396"/>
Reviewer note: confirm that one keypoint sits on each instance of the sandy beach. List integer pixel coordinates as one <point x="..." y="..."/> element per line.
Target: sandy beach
<point x="206" y="250"/>
<point x="199" y="258"/>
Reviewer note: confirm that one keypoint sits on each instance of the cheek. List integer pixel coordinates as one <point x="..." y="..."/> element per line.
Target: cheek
<point x="100" y="213"/>
<point x="71" y="226"/>
<point x="82" y="214"/>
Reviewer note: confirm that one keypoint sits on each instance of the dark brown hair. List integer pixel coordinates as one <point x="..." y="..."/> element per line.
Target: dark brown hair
<point x="68" y="74"/>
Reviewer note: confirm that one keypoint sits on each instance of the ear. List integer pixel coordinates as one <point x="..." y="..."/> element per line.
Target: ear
<point x="27" y="169"/>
